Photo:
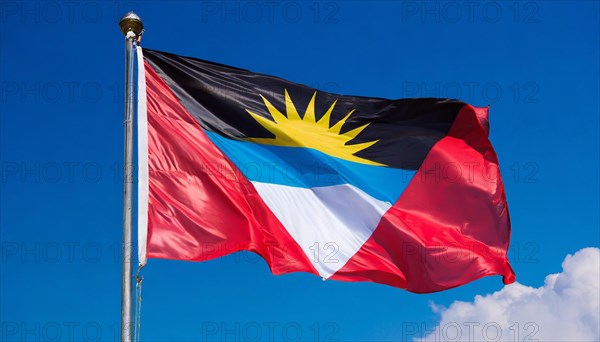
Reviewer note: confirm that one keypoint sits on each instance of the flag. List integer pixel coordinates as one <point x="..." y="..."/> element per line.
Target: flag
<point x="400" y="192"/>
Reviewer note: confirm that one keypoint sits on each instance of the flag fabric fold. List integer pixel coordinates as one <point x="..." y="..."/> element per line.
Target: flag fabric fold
<point x="401" y="192"/>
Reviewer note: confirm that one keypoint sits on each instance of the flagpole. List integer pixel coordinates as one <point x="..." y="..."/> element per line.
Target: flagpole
<point x="131" y="25"/>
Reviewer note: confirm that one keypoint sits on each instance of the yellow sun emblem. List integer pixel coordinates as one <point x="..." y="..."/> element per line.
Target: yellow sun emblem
<point x="295" y="131"/>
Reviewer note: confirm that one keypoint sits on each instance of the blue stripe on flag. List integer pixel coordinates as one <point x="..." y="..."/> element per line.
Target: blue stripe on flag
<point x="309" y="168"/>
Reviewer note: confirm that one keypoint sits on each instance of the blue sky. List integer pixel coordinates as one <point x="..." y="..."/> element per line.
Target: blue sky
<point x="61" y="135"/>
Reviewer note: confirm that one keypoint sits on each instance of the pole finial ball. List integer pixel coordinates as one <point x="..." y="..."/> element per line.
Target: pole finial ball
<point x="131" y="22"/>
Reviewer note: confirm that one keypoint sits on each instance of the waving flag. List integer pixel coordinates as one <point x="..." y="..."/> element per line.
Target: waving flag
<point x="401" y="192"/>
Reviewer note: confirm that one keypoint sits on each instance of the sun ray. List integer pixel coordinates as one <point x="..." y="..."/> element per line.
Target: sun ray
<point x="353" y="133"/>
<point x="324" y="121"/>
<point x="292" y="113"/>
<point x="266" y="123"/>
<point x="275" y="113"/>
<point x="309" y="114"/>
<point x="362" y="146"/>
<point x="338" y="125"/>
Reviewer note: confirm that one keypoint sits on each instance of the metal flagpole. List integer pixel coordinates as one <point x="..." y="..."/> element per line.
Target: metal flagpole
<point x="131" y="25"/>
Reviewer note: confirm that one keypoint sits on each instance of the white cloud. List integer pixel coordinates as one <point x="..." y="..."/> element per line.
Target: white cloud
<point x="565" y="308"/>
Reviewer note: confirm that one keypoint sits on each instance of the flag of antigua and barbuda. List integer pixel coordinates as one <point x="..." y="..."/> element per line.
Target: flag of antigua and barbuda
<point x="350" y="188"/>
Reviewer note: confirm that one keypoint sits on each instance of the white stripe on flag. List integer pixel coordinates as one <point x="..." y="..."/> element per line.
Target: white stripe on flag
<point x="142" y="134"/>
<point x="329" y="223"/>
